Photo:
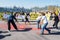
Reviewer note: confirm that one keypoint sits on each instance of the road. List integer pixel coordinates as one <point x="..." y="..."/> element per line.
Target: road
<point x="28" y="32"/>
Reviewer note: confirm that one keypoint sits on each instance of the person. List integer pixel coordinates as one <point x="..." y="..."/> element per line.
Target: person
<point x="38" y="21"/>
<point x="51" y="16"/>
<point x="5" y="15"/>
<point x="56" y="20"/>
<point x="59" y="15"/>
<point x="44" y="23"/>
<point x="11" y="20"/>
<point x="48" y="14"/>
<point x="26" y="19"/>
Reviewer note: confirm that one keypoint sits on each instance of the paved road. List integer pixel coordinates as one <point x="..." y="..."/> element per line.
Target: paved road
<point x="31" y="33"/>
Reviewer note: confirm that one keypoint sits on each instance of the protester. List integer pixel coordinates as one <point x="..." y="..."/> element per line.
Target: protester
<point x="11" y="20"/>
<point x="44" y="23"/>
<point x="26" y="19"/>
<point x="38" y="21"/>
<point x="51" y="16"/>
<point x="48" y="14"/>
<point x="56" y="20"/>
<point x="5" y="15"/>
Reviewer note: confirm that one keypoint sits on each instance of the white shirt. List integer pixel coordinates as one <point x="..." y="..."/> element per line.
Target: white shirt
<point x="5" y="16"/>
<point x="44" y="18"/>
<point x="38" y="18"/>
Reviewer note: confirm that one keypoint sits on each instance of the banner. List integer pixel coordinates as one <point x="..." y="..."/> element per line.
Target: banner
<point x="33" y="16"/>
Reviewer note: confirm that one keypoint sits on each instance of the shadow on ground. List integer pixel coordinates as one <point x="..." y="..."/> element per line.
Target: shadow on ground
<point x="3" y="36"/>
<point x="3" y="32"/>
<point x="22" y="30"/>
<point x="55" y="33"/>
<point x="53" y="28"/>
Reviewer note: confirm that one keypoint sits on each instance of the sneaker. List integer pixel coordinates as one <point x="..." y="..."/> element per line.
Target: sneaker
<point x="8" y="31"/>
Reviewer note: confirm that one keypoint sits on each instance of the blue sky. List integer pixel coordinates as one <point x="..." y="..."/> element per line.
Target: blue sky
<point x="28" y="3"/>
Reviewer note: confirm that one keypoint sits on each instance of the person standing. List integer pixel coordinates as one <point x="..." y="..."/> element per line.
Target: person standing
<point x="5" y="15"/>
<point x="48" y="15"/>
<point x="44" y="23"/>
<point x="56" y="20"/>
<point x="38" y="21"/>
<point x="11" y="20"/>
<point x="27" y="19"/>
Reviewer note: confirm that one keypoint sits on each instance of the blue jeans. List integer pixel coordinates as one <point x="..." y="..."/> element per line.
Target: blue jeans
<point x="44" y="27"/>
<point x="38" y="25"/>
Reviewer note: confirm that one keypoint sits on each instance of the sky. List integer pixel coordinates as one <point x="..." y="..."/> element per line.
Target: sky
<point x="28" y="3"/>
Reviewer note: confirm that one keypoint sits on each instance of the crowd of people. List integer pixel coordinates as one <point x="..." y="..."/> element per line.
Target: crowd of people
<point x="42" y="20"/>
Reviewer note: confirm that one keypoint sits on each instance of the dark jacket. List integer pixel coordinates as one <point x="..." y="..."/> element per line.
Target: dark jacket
<point x="11" y="17"/>
<point x="56" y="18"/>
